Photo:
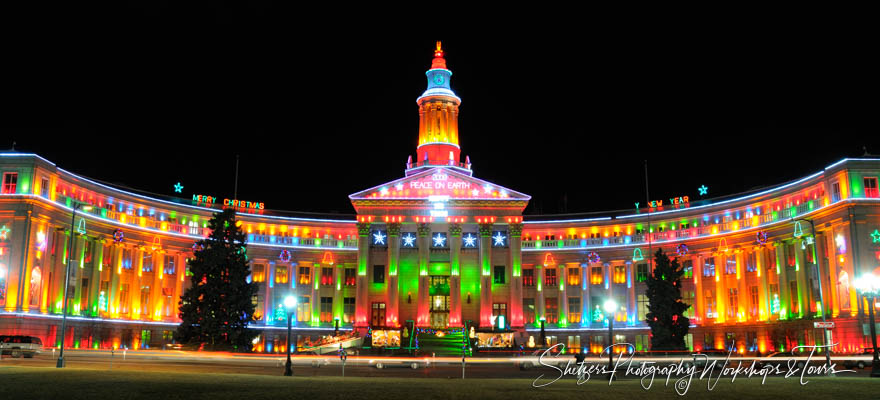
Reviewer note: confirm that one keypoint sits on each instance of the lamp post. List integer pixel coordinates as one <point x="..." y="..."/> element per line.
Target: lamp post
<point x="76" y="206"/>
<point x="868" y="285"/>
<point x="336" y="330"/>
<point x="610" y="308"/>
<point x="290" y="305"/>
<point x="821" y="293"/>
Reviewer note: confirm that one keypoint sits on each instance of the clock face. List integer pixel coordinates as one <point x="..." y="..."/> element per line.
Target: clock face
<point x="438" y="79"/>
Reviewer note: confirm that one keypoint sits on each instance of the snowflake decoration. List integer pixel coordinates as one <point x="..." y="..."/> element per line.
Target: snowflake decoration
<point x="499" y="238"/>
<point x="470" y="240"/>
<point x="378" y="237"/>
<point x="409" y="240"/>
<point x="439" y="240"/>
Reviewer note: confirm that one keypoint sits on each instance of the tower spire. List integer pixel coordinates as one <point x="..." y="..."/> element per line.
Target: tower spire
<point x="438" y="117"/>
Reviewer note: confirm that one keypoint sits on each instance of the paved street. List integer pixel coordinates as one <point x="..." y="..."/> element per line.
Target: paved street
<point x="364" y="366"/>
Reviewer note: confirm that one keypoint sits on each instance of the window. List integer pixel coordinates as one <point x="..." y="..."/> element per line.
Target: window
<point x="280" y="274"/>
<point x="378" y="314"/>
<point x="327" y="276"/>
<point x="348" y="307"/>
<point x="123" y="299"/>
<point x="709" y="266"/>
<point x="730" y="341"/>
<point x="751" y="262"/>
<point x="103" y="295"/>
<point x="84" y="296"/>
<point x="145" y="300"/>
<point x="379" y="274"/>
<point x="597" y="314"/>
<point x="643" y="342"/>
<point x="793" y="297"/>
<point x="620" y="274"/>
<point x="499" y="310"/>
<point x="44" y="187"/>
<point x="730" y="265"/>
<point x="147" y="265"/>
<point x="597" y="344"/>
<point x="753" y="301"/>
<point x="350" y="277"/>
<point x="574" y="276"/>
<point x="528" y="276"/>
<point x="10" y="181"/>
<point x="752" y="341"/>
<point x="258" y="273"/>
<point x="3" y="273"/>
<point x="550" y="277"/>
<point x="551" y="307"/>
<point x="498" y="275"/>
<point x="687" y="297"/>
<point x="871" y="187"/>
<point x="774" y="298"/>
<point x="711" y="311"/>
<point x="574" y="310"/>
<point x="688" y="267"/>
<point x="642" y="307"/>
<point x="732" y="305"/>
<point x="835" y="191"/>
<point x="642" y="272"/>
<point x="596" y="275"/>
<point x="305" y="275"/>
<point x="528" y="310"/>
<point x="304" y="309"/>
<point x="791" y="260"/>
<point x="326" y="309"/>
<point x="574" y="344"/>
<point x="771" y="258"/>
<point x="708" y="340"/>
<point x="126" y="258"/>
<point x="169" y="267"/>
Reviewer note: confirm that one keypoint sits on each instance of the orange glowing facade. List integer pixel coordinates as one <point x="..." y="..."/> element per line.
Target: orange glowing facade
<point x="442" y="249"/>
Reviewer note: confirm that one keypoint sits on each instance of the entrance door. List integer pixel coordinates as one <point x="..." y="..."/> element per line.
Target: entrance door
<point x="439" y="293"/>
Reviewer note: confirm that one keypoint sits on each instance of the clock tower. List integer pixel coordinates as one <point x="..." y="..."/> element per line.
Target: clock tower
<point x="438" y="119"/>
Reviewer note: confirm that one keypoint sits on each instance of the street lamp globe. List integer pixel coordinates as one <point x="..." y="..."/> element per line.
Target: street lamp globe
<point x="610" y="306"/>
<point x="868" y="285"/>
<point x="290" y="303"/>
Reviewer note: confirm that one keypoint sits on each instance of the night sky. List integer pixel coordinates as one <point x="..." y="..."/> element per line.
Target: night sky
<point x="156" y="95"/>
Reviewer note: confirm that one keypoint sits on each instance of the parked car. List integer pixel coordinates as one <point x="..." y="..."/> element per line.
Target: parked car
<point x="18" y="346"/>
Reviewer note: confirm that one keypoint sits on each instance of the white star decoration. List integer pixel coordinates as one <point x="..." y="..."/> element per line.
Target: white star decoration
<point x="499" y="239"/>
<point x="487" y="189"/>
<point x="378" y="238"/>
<point x="398" y="187"/>
<point x="439" y="240"/>
<point x="475" y="192"/>
<point x="470" y="240"/>
<point x="409" y="240"/>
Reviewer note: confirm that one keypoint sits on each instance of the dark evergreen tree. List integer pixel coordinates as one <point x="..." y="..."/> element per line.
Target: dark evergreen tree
<point x="665" y="314"/>
<point x="217" y="307"/>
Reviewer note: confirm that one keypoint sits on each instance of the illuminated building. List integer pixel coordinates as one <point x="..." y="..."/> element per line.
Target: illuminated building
<point x="441" y="248"/>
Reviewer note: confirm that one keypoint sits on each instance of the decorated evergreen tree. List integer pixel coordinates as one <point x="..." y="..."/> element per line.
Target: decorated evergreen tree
<point x="665" y="314"/>
<point x="217" y="307"/>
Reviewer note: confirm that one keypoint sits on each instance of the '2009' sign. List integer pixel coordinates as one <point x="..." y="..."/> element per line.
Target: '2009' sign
<point x="439" y="181"/>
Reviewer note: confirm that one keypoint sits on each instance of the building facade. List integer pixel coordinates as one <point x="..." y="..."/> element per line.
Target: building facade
<point x="441" y="249"/>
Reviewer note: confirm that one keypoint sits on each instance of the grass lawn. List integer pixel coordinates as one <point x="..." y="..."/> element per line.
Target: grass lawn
<point x="48" y="383"/>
